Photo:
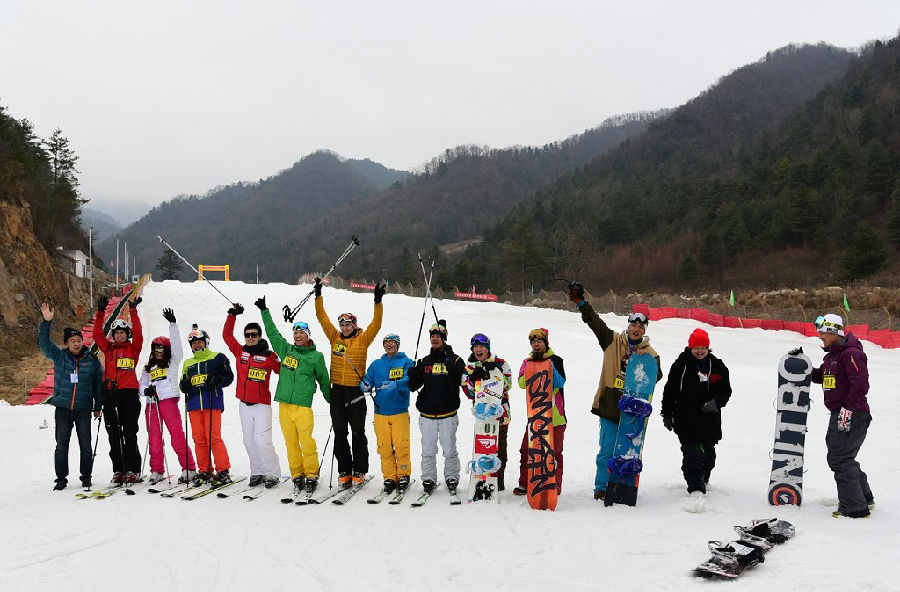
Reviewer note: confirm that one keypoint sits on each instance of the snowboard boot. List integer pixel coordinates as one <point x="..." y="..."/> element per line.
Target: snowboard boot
<point x="451" y="486"/>
<point x="856" y="514"/>
<point x="311" y="484"/>
<point x="389" y="486"/>
<point x="118" y="478"/>
<point x="255" y="480"/>
<point x="222" y="477"/>
<point x="403" y="483"/>
<point x="520" y="491"/>
<point x="428" y="486"/>
<point x="86" y="481"/>
<point x="187" y="476"/>
<point x="358" y="478"/>
<point x="345" y="480"/>
<point x="299" y="483"/>
<point x="270" y="481"/>
<point x="60" y="485"/>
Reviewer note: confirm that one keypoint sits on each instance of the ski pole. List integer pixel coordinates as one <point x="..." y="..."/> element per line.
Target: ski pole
<point x="425" y="307"/>
<point x="171" y="248"/>
<point x="325" y="449"/>
<point x="428" y="294"/>
<point x="128" y="490"/>
<point x="96" y="441"/>
<point x="289" y="313"/>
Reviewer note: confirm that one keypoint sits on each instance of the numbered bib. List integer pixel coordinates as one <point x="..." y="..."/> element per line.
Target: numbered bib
<point x="438" y="368"/>
<point x="198" y="379"/>
<point x="158" y="374"/>
<point x="395" y="373"/>
<point x="125" y="363"/>
<point x="828" y="381"/>
<point x="289" y="362"/>
<point x="257" y="374"/>
<point x="339" y="349"/>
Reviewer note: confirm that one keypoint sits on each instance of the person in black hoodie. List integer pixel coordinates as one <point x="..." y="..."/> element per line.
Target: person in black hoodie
<point x="696" y="390"/>
<point x="440" y="376"/>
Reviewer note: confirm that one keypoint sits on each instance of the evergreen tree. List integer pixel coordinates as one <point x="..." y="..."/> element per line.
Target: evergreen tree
<point x="866" y="254"/>
<point x="169" y="265"/>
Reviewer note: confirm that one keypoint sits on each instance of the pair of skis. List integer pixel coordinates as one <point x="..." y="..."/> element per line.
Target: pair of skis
<point x="341" y="496"/>
<point x="394" y="496"/>
<point x="420" y="501"/>
<point x="730" y="559"/>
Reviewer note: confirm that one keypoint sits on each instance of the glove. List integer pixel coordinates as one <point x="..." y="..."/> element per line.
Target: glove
<point x="235" y="310"/>
<point x="134" y="303"/>
<point x="576" y="292"/>
<point x="260" y="303"/>
<point x="184" y="385"/>
<point x="318" y="287"/>
<point x="668" y="422"/>
<point x="380" y="289"/>
<point x="365" y="386"/>
<point x="169" y="315"/>
<point x="710" y="406"/>
<point x="150" y="391"/>
<point x="844" y="420"/>
<point x="479" y="373"/>
<point x="796" y="351"/>
<point x="102" y="303"/>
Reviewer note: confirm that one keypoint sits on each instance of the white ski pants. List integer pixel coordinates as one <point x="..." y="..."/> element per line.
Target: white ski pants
<point x="256" y="423"/>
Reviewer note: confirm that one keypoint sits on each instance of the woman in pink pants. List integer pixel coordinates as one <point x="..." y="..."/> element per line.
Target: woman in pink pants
<point x="160" y="387"/>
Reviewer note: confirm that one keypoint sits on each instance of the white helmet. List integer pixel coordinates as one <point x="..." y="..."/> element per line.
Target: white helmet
<point x="120" y="324"/>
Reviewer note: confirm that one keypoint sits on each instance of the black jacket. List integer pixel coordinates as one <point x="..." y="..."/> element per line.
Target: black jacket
<point x="685" y="394"/>
<point x="439" y="375"/>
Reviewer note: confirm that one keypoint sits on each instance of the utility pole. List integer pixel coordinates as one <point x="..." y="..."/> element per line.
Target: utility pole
<point x="91" y="259"/>
<point x="125" y="279"/>
<point x="117" y="267"/>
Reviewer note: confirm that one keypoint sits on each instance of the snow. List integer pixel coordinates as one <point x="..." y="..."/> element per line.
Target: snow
<point x="144" y="541"/>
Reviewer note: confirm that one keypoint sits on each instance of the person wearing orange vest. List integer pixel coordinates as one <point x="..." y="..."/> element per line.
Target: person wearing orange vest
<point x="349" y="349"/>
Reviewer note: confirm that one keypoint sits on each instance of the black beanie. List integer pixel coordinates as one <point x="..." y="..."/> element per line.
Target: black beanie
<point x="70" y="332"/>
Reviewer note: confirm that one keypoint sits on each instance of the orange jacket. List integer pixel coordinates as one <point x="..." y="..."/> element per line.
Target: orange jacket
<point x="348" y="354"/>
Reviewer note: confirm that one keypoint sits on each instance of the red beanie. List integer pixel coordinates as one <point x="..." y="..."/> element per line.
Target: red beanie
<point x="699" y="338"/>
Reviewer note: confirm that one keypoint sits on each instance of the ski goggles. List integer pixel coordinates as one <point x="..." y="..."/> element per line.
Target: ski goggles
<point x="439" y="329"/>
<point x="823" y="325"/>
<point x="301" y="326"/>
<point x="347" y="318"/>
<point x="392" y="337"/>
<point x="541" y="333"/>
<point x="196" y="334"/>
<point x="119" y="324"/>
<point x="480" y="339"/>
<point x="638" y="317"/>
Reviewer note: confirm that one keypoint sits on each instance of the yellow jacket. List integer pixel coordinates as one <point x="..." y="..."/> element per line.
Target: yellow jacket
<point x="348" y="354"/>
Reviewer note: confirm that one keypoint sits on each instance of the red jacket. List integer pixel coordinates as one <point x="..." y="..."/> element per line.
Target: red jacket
<point x="253" y="369"/>
<point x="120" y="359"/>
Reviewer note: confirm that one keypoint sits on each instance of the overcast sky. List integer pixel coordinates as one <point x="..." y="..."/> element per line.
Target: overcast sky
<point x="162" y="98"/>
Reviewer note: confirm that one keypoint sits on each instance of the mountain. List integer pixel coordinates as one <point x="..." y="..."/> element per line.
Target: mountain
<point x="246" y="224"/>
<point x="771" y="158"/>
<point x="103" y="225"/>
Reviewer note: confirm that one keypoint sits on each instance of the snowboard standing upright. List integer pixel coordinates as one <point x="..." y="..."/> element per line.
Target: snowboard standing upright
<point x="487" y="408"/>
<point x="625" y="466"/>
<point x="541" y="458"/>
<point x="786" y="481"/>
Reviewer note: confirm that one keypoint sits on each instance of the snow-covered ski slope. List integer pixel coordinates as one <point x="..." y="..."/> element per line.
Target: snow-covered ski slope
<point x="53" y="541"/>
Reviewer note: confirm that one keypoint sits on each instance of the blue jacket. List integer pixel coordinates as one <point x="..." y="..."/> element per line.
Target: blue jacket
<point x="202" y="379"/>
<point x="83" y="395"/>
<point x="390" y="378"/>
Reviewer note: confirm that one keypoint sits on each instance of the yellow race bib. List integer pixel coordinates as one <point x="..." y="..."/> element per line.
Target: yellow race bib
<point x="198" y="379"/>
<point x="828" y="381"/>
<point x="289" y="362"/>
<point x="619" y="383"/>
<point x="257" y="374"/>
<point x="158" y="374"/>
<point x="125" y="363"/>
<point x="339" y="349"/>
<point x="439" y="369"/>
<point x="395" y="373"/>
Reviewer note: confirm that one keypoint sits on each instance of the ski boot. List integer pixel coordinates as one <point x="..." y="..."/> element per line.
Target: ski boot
<point x="270" y="481"/>
<point x="201" y="478"/>
<point x="428" y="485"/>
<point x="451" y="486"/>
<point x="389" y="486"/>
<point x="311" y="484"/>
<point x="358" y="478"/>
<point x="403" y="483"/>
<point x="222" y="477"/>
<point x="345" y="480"/>
<point x="255" y="480"/>
<point x="132" y="477"/>
<point x="187" y="476"/>
<point x="299" y="484"/>
<point x="118" y="478"/>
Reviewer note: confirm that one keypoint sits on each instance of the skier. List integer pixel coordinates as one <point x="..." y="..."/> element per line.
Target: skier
<point x="77" y="383"/>
<point x="121" y="402"/>
<point x="844" y="376"/>
<point x="540" y="350"/>
<point x="254" y="362"/>
<point x="617" y="348"/>
<point x="484" y="365"/>
<point x="349" y="348"/>
<point x="696" y="390"/>
<point x="440" y="376"/>
<point x="203" y="377"/>
<point x="301" y="367"/>
<point x="388" y="377"/>
<point x="160" y="387"/>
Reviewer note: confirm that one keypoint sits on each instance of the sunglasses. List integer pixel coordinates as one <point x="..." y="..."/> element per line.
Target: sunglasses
<point x="251" y="334"/>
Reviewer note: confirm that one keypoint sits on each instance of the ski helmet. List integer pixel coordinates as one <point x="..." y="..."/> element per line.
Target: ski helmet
<point x="163" y="341"/>
<point x="392" y="337"/>
<point x="830" y="323"/>
<point x="120" y="325"/>
<point x="480" y="339"/>
<point x="198" y="334"/>
<point x="302" y="326"/>
<point x="638" y="317"/>
<point x="347" y="317"/>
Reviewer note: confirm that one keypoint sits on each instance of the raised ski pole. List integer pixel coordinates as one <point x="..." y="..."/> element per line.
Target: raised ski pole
<point x="427" y="296"/>
<point x="177" y="254"/>
<point x="289" y="313"/>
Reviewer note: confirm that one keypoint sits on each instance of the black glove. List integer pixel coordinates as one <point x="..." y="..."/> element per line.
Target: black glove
<point x="380" y="289"/>
<point x="479" y="373"/>
<point x="134" y="303"/>
<point x="169" y="315"/>
<point x="318" y="287"/>
<point x="150" y="391"/>
<point x="185" y="384"/>
<point x="796" y="351"/>
<point x="710" y="406"/>
<point x="576" y="292"/>
<point x="260" y="303"/>
<point x="102" y="303"/>
<point x="668" y="422"/>
<point x="237" y="309"/>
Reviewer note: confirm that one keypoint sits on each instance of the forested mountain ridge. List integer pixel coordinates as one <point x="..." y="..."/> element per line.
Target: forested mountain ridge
<point x="756" y="163"/>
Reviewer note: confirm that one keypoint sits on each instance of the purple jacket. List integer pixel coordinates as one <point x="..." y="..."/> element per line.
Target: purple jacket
<point x="844" y="376"/>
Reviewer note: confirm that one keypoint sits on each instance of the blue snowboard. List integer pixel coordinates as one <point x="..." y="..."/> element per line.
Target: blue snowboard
<point x="625" y="466"/>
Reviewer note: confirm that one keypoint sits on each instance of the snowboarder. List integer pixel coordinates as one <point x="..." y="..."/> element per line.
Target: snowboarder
<point x="203" y="377"/>
<point x="121" y="402"/>
<point x="77" y="384"/>
<point x="540" y="350"/>
<point x="349" y="348"/>
<point x="255" y="363"/>
<point x="617" y="348"/>
<point x="159" y="384"/>
<point x="484" y="365"/>
<point x="844" y="376"/>
<point x="302" y="366"/>
<point x="388" y="377"/>
<point x="440" y="376"/>
<point x="695" y="393"/>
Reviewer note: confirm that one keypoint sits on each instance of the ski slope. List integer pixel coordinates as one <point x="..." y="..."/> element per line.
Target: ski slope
<point x="144" y="542"/>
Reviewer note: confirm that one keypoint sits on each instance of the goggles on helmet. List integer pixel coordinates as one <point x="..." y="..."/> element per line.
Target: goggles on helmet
<point x="301" y="326"/>
<point x="638" y="317"/>
<point x="827" y="326"/>
<point x="347" y="318"/>
<point x="392" y="337"/>
<point x="480" y="339"/>
<point x="119" y="324"/>
<point x="197" y="334"/>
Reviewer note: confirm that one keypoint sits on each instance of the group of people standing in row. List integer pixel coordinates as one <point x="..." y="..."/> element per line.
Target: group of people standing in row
<point x="697" y="388"/>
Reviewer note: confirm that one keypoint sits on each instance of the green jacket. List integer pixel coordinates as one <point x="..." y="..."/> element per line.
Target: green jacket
<point x="301" y="368"/>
